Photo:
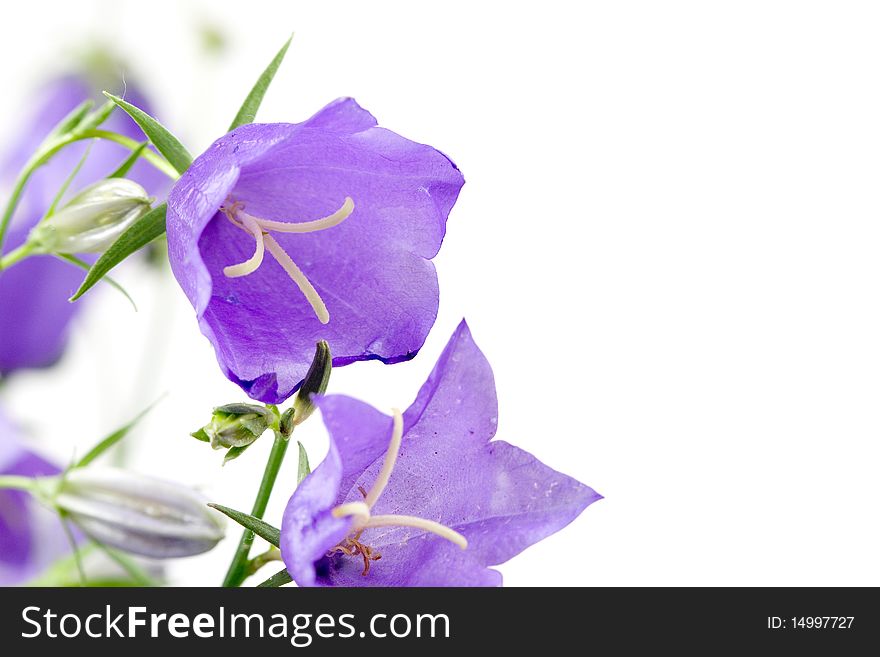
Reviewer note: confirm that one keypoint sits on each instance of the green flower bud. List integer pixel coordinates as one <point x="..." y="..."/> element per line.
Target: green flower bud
<point x="138" y="514"/>
<point x="315" y="383"/>
<point x="286" y="422"/>
<point x="93" y="219"/>
<point x="236" y="425"/>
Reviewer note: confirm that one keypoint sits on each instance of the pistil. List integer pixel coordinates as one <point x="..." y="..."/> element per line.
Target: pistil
<point x="259" y="229"/>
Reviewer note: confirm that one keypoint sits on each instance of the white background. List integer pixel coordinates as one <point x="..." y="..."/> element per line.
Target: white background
<point x="667" y="248"/>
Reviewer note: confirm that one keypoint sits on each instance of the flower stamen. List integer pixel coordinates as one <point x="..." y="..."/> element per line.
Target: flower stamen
<point x="384" y="475"/>
<point x="360" y="512"/>
<point x="357" y="510"/>
<point x="250" y="265"/>
<point x="419" y="523"/>
<point x="352" y="547"/>
<point x="305" y="286"/>
<point x="306" y="226"/>
<point x="259" y="229"/>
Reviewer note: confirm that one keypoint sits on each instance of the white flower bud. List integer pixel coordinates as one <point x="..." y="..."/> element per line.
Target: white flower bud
<point x="93" y="219"/>
<point x="139" y="514"/>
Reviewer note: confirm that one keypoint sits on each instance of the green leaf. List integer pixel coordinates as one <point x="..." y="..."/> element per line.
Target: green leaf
<point x="234" y="452"/>
<point x="303" y="469"/>
<point x="71" y="121"/>
<point x="201" y="435"/>
<point x="74" y="547"/>
<point x="96" y="118"/>
<point x="82" y="264"/>
<point x="67" y="181"/>
<point x="137" y="236"/>
<point x="113" y="438"/>
<point x="248" y="111"/>
<point x="126" y="166"/>
<point x="259" y="527"/>
<point x="139" y="576"/>
<point x="280" y="578"/>
<point x="164" y="141"/>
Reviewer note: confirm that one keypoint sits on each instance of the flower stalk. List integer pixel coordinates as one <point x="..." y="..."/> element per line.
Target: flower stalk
<point x="16" y="482"/>
<point x="315" y="383"/>
<point x="238" y="569"/>
<point x="43" y="155"/>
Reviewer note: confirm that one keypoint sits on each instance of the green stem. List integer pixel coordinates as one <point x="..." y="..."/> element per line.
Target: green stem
<point x="17" y="483"/>
<point x="237" y="572"/>
<point x="44" y="155"/>
<point x="12" y="203"/>
<point x="254" y="565"/>
<point x="156" y="160"/>
<point x="16" y="255"/>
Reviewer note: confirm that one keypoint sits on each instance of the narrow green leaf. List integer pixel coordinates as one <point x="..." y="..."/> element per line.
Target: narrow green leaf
<point x="71" y="541"/>
<point x="248" y="111"/>
<point x="57" y="137"/>
<point x="137" y="236"/>
<point x="82" y="264"/>
<point x="165" y="142"/>
<point x="259" y="527"/>
<point x="71" y="121"/>
<point x="96" y="118"/>
<point x="234" y="452"/>
<point x="201" y="435"/>
<point x="139" y="576"/>
<point x="67" y="181"/>
<point x="303" y="469"/>
<point x="113" y="438"/>
<point x="130" y="161"/>
<point x="280" y="578"/>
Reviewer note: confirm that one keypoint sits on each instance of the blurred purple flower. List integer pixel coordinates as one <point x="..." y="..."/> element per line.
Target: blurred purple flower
<point x="349" y="213"/>
<point x="31" y="536"/>
<point x="34" y="311"/>
<point x="450" y="487"/>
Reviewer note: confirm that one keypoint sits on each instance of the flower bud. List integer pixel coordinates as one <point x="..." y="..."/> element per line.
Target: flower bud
<point x="236" y="425"/>
<point x="315" y="383"/>
<point x="93" y="219"/>
<point x="138" y="514"/>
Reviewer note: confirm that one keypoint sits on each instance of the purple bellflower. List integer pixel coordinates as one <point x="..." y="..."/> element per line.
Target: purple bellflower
<point x="31" y="536"/>
<point x="426" y="497"/>
<point x="282" y="235"/>
<point x="34" y="311"/>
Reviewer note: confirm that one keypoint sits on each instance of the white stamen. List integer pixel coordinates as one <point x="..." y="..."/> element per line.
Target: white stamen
<point x="258" y="227"/>
<point x="307" y="226"/>
<point x="390" y="459"/>
<point x="359" y="510"/>
<point x="250" y="265"/>
<point x="419" y="523"/>
<point x="299" y="278"/>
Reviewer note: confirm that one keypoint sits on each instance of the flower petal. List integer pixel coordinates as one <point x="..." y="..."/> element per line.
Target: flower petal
<point x="308" y="528"/>
<point x="423" y="561"/>
<point x="343" y="115"/>
<point x="449" y="470"/>
<point x="373" y="270"/>
<point x="30" y="536"/>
